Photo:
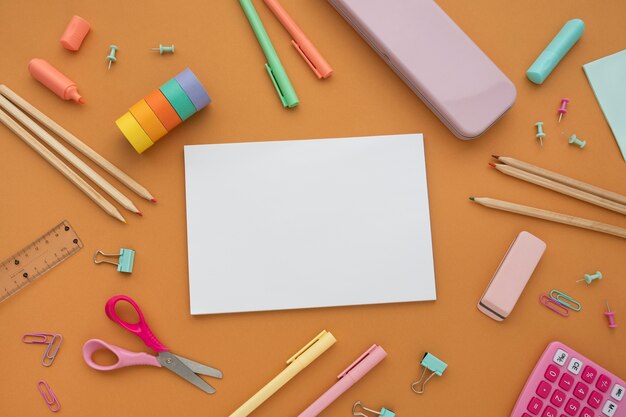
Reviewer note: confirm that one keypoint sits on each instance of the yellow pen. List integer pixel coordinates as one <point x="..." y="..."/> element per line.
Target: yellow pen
<point x="295" y="364"/>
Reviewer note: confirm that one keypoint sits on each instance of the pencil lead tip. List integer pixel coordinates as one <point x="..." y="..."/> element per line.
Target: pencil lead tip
<point x="154" y="200"/>
<point x="472" y="198"/>
<point x="140" y="213"/>
<point x="491" y="164"/>
<point x="495" y="156"/>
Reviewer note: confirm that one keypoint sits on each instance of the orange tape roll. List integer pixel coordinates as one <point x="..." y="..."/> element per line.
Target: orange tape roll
<point x="163" y="109"/>
<point x="148" y="120"/>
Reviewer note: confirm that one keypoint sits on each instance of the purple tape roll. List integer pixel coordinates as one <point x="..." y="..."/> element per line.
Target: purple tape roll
<point x="193" y="88"/>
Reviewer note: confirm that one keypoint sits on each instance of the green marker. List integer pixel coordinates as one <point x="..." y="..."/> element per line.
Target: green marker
<point x="274" y="67"/>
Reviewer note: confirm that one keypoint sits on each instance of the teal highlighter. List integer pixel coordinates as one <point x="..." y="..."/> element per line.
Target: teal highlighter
<point x="555" y="51"/>
<point x="274" y="67"/>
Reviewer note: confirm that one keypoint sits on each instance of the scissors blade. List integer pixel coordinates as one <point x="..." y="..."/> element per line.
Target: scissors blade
<point x="170" y="361"/>
<point x="201" y="369"/>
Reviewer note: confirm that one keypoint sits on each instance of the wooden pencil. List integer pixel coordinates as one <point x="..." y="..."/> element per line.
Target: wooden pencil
<point x="60" y="166"/>
<point x="76" y="143"/>
<point x="560" y="188"/>
<point x="69" y="156"/>
<point x="551" y="216"/>
<point x="542" y="172"/>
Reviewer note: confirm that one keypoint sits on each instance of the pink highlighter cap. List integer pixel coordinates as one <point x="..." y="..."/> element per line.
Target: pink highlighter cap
<point x="511" y="277"/>
<point x="57" y="82"/>
<point x="75" y="33"/>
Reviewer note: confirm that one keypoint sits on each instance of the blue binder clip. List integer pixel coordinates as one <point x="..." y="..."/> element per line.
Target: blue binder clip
<point x="382" y="413"/>
<point x="126" y="259"/>
<point x="430" y="363"/>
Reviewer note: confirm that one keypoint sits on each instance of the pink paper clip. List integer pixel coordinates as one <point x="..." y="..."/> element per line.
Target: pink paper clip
<point x="48" y="396"/>
<point x="553" y="305"/>
<point x="37" y="338"/>
<point x="52" y="350"/>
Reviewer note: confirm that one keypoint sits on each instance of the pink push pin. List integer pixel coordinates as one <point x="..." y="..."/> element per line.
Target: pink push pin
<point x="610" y="315"/>
<point x="563" y="109"/>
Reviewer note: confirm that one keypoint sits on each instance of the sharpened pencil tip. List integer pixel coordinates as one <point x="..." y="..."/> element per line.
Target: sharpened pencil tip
<point x="491" y="164"/>
<point x="154" y="200"/>
<point x="471" y="198"/>
<point x="140" y="213"/>
<point x="495" y="156"/>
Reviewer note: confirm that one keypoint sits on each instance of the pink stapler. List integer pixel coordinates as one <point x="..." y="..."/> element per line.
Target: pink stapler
<point x="436" y="59"/>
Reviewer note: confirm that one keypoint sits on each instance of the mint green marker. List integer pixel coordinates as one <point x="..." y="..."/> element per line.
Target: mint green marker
<point x="274" y="67"/>
<point x="555" y="51"/>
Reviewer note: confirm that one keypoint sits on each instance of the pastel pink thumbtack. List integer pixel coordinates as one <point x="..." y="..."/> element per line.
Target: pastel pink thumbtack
<point x="563" y="109"/>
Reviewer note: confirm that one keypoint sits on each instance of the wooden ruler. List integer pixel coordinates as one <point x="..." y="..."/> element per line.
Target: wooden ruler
<point x="40" y="256"/>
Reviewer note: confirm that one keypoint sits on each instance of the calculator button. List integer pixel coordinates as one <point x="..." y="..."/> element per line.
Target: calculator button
<point x="581" y="390"/>
<point x="543" y="390"/>
<point x="595" y="399"/>
<point x="549" y="412"/>
<point x="557" y="398"/>
<point x="575" y="365"/>
<point x="617" y="392"/>
<point x="589" y="374"/>
<point x="566" y="382"/>
<point x="534" y="406"/>
<point x="559" y="357"/>
<point x="572" y="407"/>
<point x="552" y="373"/>
<point x="609" y="408"/>
<point x="587" y="412"/>
<point x="603" y="384"/>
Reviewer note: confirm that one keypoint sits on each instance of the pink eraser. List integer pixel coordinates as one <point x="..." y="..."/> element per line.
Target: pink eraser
<point x="511" y="277"/>
<point x="75" y="33"/>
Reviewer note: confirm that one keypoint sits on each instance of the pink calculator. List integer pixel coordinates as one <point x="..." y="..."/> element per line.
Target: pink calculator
<point x="564" y="383"/>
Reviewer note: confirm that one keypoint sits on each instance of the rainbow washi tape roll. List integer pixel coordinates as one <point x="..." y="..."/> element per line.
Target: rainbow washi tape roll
<point x="163" y="109"/>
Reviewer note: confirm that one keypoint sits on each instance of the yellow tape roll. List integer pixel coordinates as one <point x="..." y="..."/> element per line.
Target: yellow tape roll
<point x="133" y="132"/>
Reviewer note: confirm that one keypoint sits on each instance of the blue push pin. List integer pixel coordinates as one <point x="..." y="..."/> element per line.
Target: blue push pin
<point x="163" y="49"/>
<point x="590" y="278"/>
<point x="573" y="140"/>
<point x="540" y="135"/>
<point x="430" y="363"/>
<point x="111" y="57"/>
<point x="126" y="259"/>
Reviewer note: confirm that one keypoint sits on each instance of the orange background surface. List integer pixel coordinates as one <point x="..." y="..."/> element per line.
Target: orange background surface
<point x="488" y="361"/>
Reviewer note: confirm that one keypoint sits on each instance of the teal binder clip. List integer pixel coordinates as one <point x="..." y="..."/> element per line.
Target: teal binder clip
<point x="382" y="413"/>
<point x="430" y="363"/>
<point x="126" y="259"/>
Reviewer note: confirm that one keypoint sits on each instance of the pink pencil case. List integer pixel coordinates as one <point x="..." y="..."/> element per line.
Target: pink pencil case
<point x="436" y="59"/>
<point x="511" y="277"/>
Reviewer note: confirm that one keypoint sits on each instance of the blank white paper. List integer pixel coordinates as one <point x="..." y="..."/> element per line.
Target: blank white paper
<point x="308" y="223"/>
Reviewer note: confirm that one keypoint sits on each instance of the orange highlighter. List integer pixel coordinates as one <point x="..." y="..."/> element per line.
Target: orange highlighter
<point x="311" y="55"/>
<point x="55" y="80"/>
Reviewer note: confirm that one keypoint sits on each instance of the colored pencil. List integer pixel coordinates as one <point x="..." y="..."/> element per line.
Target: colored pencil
<point x="47" y="138"/>
<point x="76" y="143"/>
<point x="583" y="186"/>
<point x="551" y="216"/>
<point x="560" y="188"/>
<point x="60" y="166"/>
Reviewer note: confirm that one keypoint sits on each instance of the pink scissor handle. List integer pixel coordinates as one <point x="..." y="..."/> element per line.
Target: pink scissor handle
<point x="140" y="328"/>
<point x="124" y="357"/>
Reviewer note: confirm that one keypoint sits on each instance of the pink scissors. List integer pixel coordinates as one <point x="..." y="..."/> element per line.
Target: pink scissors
<point x="185" y="368"/>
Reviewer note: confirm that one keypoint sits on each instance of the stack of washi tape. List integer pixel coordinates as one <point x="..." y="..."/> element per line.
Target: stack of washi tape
<point x="162" y="110"/>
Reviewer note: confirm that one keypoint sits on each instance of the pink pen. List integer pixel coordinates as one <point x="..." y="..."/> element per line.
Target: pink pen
<point x="353" y="374"/>
<point x="311" y="55"/>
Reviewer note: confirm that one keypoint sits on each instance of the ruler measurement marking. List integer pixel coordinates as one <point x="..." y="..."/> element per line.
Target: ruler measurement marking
<point x="38" y="257"/>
